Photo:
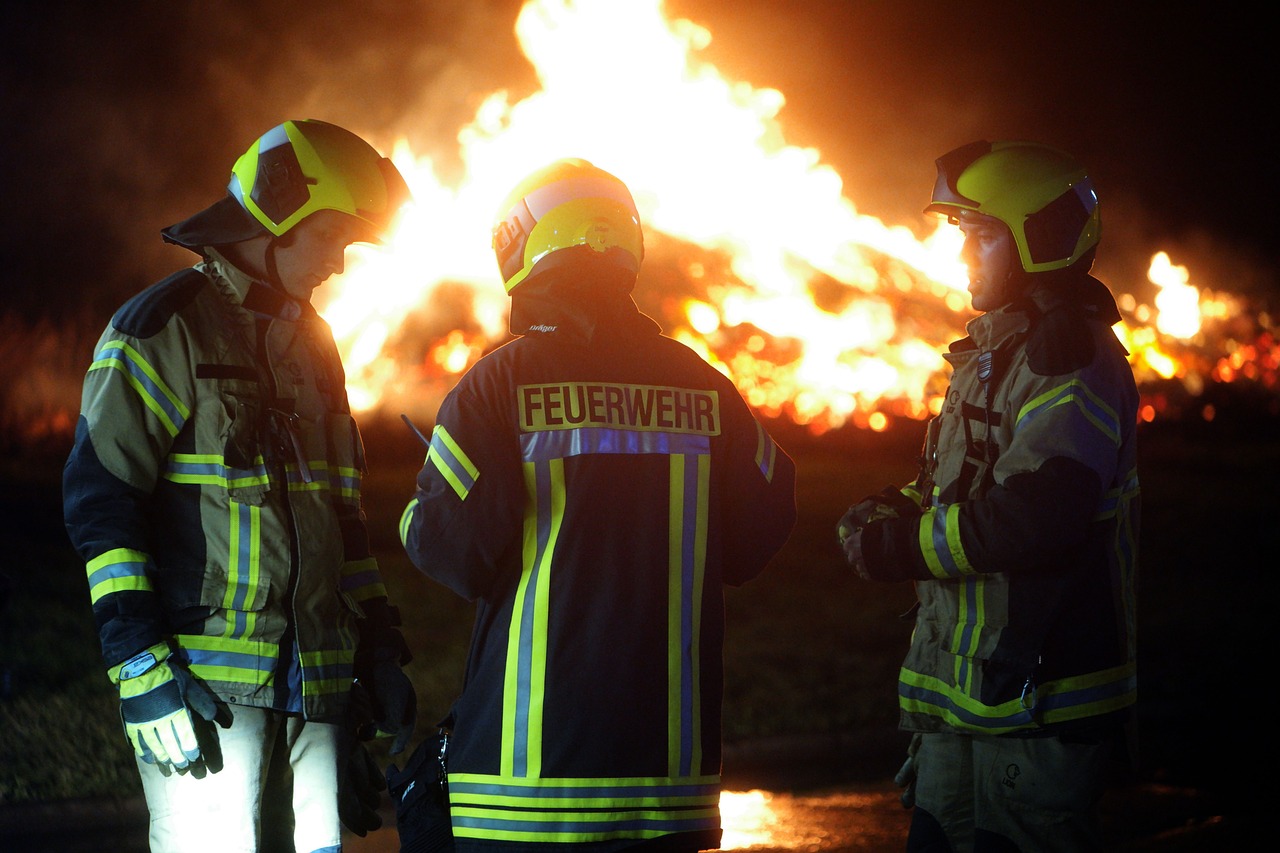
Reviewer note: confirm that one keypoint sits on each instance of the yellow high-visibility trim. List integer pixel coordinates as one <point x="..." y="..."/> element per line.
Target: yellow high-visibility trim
<point x="135" y="358"/>
<point x="442" y="445"/>
<point x="109" y="581"/>
<point x="406" y="519"/>
<point x="963" y="711"/>
<point x="527" y="644"/>
<point x="1075" y="391"/>
<point x="675" y="598"/>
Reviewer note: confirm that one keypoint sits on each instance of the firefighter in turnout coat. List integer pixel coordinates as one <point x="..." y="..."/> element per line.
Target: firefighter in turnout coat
<point x="1020" y="532"/>
<point x="591" y="485"/>
<point x="214" y="494"/>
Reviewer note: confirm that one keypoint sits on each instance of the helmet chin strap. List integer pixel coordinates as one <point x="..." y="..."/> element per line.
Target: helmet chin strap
<point x="272" y="272"/>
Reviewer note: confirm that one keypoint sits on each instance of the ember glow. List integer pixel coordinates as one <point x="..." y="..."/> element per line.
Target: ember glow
<point x="821" y="314"/>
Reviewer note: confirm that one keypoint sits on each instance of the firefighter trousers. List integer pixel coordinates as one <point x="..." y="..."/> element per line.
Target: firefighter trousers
<point x="989" y="793"/>
<point x="271" y="785"/>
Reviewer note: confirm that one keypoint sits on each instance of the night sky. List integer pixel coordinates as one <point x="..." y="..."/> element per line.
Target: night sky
<point x="124" y="117"/>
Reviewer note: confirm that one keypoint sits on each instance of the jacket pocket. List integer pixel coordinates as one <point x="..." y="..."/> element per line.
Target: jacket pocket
<point x="243" y="445"/>
<point x="231" y="592"/>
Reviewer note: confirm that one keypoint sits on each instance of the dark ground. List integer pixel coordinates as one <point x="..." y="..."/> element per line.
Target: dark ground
<point x="812" y="655"/>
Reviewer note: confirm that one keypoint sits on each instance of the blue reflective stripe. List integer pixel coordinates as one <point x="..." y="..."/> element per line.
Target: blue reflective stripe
<point x="452" y="463"/>
<point x="116" y="570"/>
<point x="690" y="580"/>
<point x="766" y="452"/>
<point x="1094" y="409"/>
<point x="941" y="547"/>
<point x="227" y="659"/>
<point x="369" y="578"/>
<point x="464" y="787"/>
<point x="579" y="810"/>
<point x="562" y="443"/>
<point x="912" y="696"/>
<point x="211" y="470"/>
<point x="332" y="671"/>
<point x="1066" y="699"/>
<point x="528" y="621"/>
<point x="145" y="381"/>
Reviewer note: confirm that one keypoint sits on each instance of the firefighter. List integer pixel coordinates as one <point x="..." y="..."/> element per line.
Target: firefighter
<point x="1020" y="531"/>
<point x="213" y="492"/>
<point x="591" y="485"/>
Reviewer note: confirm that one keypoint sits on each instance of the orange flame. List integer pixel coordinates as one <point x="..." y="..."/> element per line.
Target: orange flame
<point x="820" y="313"/>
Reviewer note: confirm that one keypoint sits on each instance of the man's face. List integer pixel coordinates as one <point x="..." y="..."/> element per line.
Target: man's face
<point x="315" y="249"/>
<point x="991" y="255"/>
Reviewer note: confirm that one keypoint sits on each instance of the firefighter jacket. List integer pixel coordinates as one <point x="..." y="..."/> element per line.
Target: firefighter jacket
<point x="214" y="492"/>
<point x="1025" y="553"/>
<point x="592" y="486"/>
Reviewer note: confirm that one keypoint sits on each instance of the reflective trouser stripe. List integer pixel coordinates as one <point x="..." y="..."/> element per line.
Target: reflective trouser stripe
<point x="579" y="810"/>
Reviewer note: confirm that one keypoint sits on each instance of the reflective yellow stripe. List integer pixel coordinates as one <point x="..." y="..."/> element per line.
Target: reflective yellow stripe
<point x="766" y="452"/>
<point x="525" y="677"/>
<point x="406" y="519"/>
<point x="117" y="570"/>
<point x="362" y="580"/>
<point x="1058" y="701"/>
<point x="580" y="810"/>
<point x="971" y="617"/>
<point x="452" y="463"/>
<point x="1093" y="407"/>
<point x="939" y="538"/>
<point x="145" y="381"/>
<point x="688" y="495"/>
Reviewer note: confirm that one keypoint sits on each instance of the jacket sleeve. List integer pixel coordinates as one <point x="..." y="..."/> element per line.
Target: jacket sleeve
<point x="362" y="579"/>
<point x="1049" y="484"/>
<point x="760" y="501"/>
<point x="135" y="401"/>
<point x="467" y="508"/>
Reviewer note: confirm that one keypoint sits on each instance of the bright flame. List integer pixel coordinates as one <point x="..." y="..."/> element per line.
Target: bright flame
<point x="819" y="313"/>
<point x="1178" y="302"/>
<point x="747" y="819"/>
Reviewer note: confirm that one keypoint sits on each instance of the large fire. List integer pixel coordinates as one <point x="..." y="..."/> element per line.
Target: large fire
<point x="821" y="314"/>
<point x="755" y="257"/>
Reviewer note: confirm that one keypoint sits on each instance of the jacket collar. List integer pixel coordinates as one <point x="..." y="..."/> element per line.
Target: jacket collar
<point x="240" y="288"/>
<point x="1083" y="293"/>
<point x="577" y="314"/>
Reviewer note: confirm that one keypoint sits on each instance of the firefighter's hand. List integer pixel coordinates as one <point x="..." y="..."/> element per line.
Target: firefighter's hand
<point x="360" y="786"/>
<point x="887" y="503"/>
<point x="906" y="775"/>
<point x="852" y="547"/>
<point x="157" y="697"/>
<point x="395" y="703"/>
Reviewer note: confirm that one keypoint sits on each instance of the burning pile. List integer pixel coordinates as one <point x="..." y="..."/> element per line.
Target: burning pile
<point x="755" y="258"/>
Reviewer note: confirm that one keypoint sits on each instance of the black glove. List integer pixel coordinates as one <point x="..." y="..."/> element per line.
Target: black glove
<point x="395" y="703"/>
<point x="360" y="786"/>
<point x="378" y="669"/>
<point x="888" y="503"/>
